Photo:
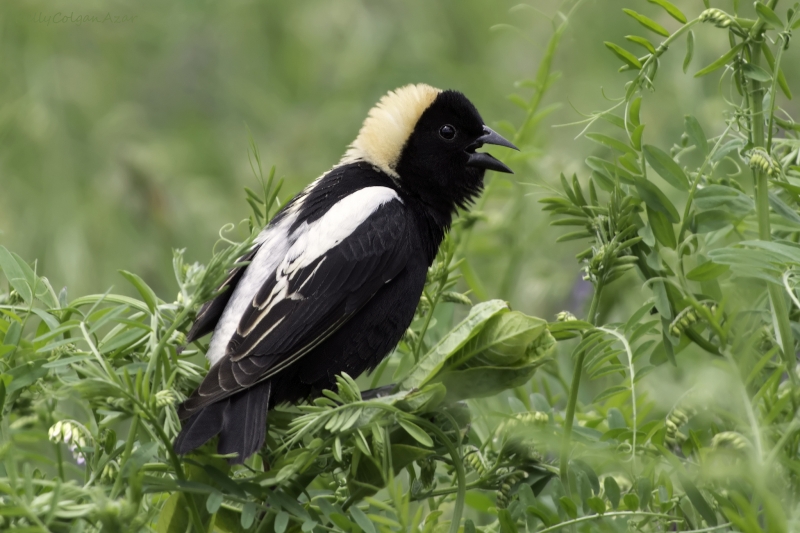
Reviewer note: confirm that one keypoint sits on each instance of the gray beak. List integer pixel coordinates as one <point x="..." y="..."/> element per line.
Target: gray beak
<point x="482" y="160"/>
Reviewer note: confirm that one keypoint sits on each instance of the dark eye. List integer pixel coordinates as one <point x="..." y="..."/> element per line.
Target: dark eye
<point x="447" y="132"/>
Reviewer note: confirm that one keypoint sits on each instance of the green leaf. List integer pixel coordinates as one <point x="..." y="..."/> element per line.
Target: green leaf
<point x="647" y="22"/>
<point x="666" y="167"/>
<point x="624" y="55"/>
<point x="24" y="280"/>
<point x="213" y="502"/>
<point x="612" y="491"/>
<point x="657" y="200"/>
<point x="507" y="349"/>
<point x="569" y="506"/>
<point x="641" y="41"/>
<point x="145" y="291"/>
<point x="696" y="133"/>
<point x="597" y="505"/>
<point x="507" y="523"/>
<point x="609" y="392"/>
<point x="722" y="197"/>
<point x="766" y="14"/>
<point x="633" y="111"/>
<point x="416" y="432"/>
<point x="689" y="51"/>
<point x="636" y="137"/>
<point x="611" y="143"/>
<point x="755" y="72"/>
<point x="662" y="228"/>
<point x="721" y="61"/>
<point x="697" y="499"/>
<point x="281" y="521"/>
<point x="707" y="271"/>
<point x="670" y="8"/>
<point x="248" y="514"/>
<point x="362" y="520"/>
<point x="631" y="501"/>
<point x="174" y="517"/>
<point x="435" y="359"/>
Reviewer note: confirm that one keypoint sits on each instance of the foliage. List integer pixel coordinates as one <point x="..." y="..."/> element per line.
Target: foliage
<point x="483" y="429"/>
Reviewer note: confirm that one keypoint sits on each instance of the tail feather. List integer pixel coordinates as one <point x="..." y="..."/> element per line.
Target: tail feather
<point x="245" y="423"/>
<point x="200" y="428"/>
<point x="240" y="421"/>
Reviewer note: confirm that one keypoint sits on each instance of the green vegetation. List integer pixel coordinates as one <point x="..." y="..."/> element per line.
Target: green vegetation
<point x="663" y="397"/>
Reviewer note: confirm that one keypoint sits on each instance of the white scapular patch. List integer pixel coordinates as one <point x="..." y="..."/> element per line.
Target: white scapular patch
<point x="282" y="255"/>
<point x="389" y="125"/>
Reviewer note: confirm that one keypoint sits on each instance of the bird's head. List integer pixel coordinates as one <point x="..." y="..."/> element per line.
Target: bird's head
<point x="428" y="140"/>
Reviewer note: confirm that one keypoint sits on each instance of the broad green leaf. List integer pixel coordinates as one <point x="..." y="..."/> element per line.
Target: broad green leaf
<point x="416" y="432"/>
<point x="636" y="137"/>
<point x="213" y="502"/>
<point x="662" y="228"/>
<point x="248" y="514"/>
<point x="612" y="491"/>
<point x="707" y="271"/>
<point x="696" y="133"/>
<point x="362" y="520"/>
<point x="145" y="291"/>
<point x="670" y="8"/>
<point x="435" y="359"/>
<point x="782" y="209"/>
<point x="641" y="41"/>
<point x="756" y="73"/>
<point x="766" y="14"/>
<point x="631" y="501"/>
<point x="627" y="57"/>
<point x="633" y="111"/>
<point x="281" y="521"/>
<point x="657" y="200"/>
<point x="722" y="197"/>
<point x="666" y="167"/>
<point x="698" y="501"/>
<point x="174" y="517"/>
<point x="15" y="275"/>
<point x="569" y="506"/>
<point x="689" y="51"/>
<point x="720" y="62"/>
<point x="508" y="349"/>
<point x="647" y="22"/>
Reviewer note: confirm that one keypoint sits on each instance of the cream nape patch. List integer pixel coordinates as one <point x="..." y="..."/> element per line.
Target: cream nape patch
<point x="389" y="125"/>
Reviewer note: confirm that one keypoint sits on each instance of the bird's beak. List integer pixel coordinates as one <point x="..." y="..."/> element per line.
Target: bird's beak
<point x="482" y="160"/>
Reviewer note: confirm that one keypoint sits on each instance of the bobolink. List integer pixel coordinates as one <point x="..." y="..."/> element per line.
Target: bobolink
<point x="334" y="279"/>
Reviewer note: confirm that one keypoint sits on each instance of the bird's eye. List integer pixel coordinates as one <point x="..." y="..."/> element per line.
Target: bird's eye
<point x="447" y="132"/>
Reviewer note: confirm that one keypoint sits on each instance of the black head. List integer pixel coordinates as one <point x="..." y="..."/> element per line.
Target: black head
<point x="427" y="141"/>
<point x="440" y="157"/>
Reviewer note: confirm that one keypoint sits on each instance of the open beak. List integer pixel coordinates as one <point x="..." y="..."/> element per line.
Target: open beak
<point x="482" y="160"/>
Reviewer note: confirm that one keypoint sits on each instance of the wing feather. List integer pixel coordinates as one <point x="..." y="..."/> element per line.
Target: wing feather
<point x="306" y="300"/>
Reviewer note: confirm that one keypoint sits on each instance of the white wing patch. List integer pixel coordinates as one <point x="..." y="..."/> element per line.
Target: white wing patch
<point x="283" y="255"/>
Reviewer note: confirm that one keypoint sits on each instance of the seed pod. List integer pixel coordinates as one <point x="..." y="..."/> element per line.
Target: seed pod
<point x="719" y="18"/>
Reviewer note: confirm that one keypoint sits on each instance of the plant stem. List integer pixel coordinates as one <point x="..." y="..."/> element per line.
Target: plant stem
<point x="573" y="394"/>
<point x="779" y="309"/>
<point x="458" y="508"/>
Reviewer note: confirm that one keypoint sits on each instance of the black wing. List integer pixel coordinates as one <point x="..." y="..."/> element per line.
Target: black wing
<point x="300" y="306"/>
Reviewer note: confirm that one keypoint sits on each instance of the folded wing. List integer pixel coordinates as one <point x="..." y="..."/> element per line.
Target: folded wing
<point x="330" y="272"/>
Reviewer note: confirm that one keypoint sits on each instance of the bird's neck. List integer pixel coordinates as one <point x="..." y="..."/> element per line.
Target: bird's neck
<point x="433" y="222"/>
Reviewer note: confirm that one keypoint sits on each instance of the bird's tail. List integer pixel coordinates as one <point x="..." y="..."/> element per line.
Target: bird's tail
<point x="240" y="421"/>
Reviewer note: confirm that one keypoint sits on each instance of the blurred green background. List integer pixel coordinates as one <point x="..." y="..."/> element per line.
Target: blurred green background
<point x="120" y="141"/>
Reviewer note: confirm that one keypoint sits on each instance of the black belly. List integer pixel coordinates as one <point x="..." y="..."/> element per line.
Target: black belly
<point x="360" y="344"/>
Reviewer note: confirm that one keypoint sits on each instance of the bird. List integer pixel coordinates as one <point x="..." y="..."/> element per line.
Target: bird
<point x="332" y="282"/>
